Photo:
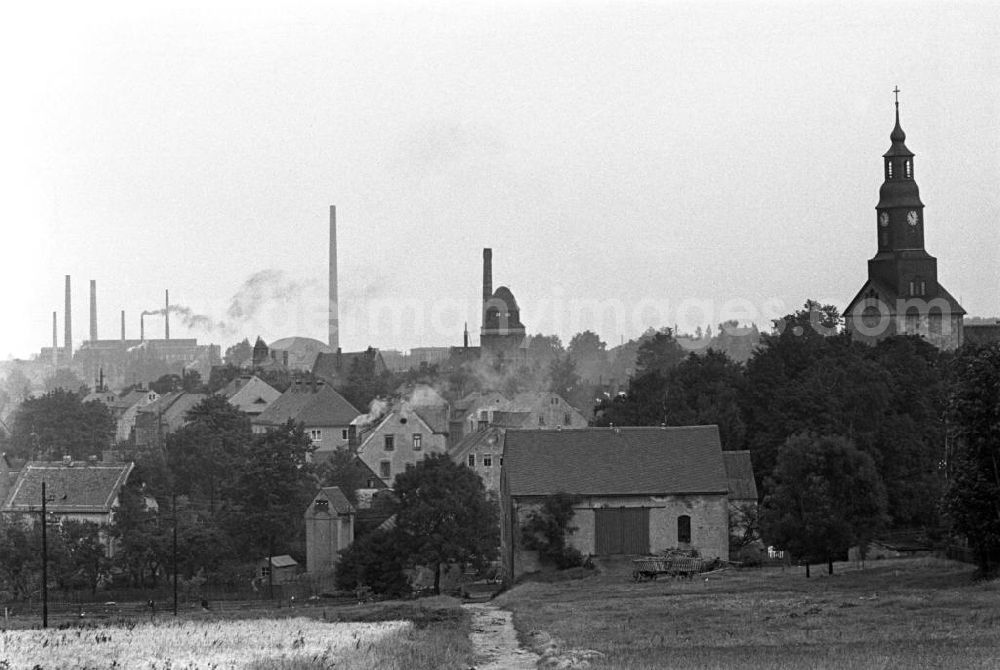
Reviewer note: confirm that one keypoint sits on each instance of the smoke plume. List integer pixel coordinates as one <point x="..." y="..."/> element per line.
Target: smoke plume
<point x="262" y="288"/>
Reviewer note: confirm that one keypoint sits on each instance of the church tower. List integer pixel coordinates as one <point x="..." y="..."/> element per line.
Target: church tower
<point x="902" y="294"/>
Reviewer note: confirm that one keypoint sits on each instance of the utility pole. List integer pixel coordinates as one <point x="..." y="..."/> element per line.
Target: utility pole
<point x="175" y="552"/>
<point x="45" y="561"/>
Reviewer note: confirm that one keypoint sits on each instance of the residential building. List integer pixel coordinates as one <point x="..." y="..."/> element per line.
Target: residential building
<point x="125" y="409"/>
<point x="336" y="366"/>
<point x="163" y="416"/>
<point x="547" y="410"/>
<point x="324" y="414"/>
<point x="482" y="452"/>
<point x="396" y="441"/>
<point x="250" y="394"/>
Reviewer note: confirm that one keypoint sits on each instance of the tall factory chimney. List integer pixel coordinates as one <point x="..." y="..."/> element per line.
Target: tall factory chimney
<point x="487" y="280"/>
<point x="68" y="323"/>
<point x="123" y="326"/>
<point x="166" y="315"/>
<point x="142" y="327"/>
<point x="334" y="311"/>
<point x="55" y="342"/>
<point x="93" y="310"/>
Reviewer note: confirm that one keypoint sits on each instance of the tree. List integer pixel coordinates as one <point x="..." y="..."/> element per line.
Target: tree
<point x="659" y="353"/>
<point x="364" y="384"/>
<point x="238" y="354"/>
<point x="20" y="557"/>
<point x="972" y="501"/>
<point x="825" y="496"/>
<point x="271" y="488"/>
<point x="344" y="469"/>
<point x="562" y="375"/>
<point x="85" y="560"/>
<point x="167" y="383"/>
<point x="67" y="380"/>
<point x="376" y="561"/>
<point x="546" y="529"/>
<point x="58" y="424"/>
<point x="444" y="515"/>
<point x="205" y="452"/>
<point x="590" y="354"/>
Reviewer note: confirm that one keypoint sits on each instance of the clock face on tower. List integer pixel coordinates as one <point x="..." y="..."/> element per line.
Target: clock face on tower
<point x="884" y="219"/>
<point x="911" y="217"/>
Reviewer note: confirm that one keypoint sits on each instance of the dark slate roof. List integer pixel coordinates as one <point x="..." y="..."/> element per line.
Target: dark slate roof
<point x="309" y="404"/>
<point x="435" y="417"/>
<point x="172" y="408"/>
<point x="490" y="439"/>
<point x="88" y="488"/>
<point x="890" y="297"/>
<point x="615" y="461"/>
<point x="338" y="501"/>
<point x="510" y="419"/>
<point x="739" y="474"/>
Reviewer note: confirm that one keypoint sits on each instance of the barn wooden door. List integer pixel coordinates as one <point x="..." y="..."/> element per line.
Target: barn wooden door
<point x="621" y="530"/>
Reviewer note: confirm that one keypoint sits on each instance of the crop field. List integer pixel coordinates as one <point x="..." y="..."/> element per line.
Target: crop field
<point x="905" y="613"/>
<point x="202" y="645"/>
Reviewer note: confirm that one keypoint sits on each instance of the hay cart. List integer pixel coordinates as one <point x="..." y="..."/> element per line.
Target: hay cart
<point x="651" y="567"/>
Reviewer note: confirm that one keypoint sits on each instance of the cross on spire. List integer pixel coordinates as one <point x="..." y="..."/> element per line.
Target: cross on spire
<point x="896" y="91"/>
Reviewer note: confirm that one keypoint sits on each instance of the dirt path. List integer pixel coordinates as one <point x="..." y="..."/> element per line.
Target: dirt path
<point x="495" y="641"/>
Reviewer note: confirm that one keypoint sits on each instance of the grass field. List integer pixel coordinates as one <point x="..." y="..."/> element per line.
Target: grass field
<point x="912" y="613"/>
<point x="425" y="634"/>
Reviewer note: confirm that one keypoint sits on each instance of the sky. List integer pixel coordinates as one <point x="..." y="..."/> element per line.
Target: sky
<point x="630" y="164"/>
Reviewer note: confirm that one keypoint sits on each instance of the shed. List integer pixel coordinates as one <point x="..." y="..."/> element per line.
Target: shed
<point x="284" y="567"/>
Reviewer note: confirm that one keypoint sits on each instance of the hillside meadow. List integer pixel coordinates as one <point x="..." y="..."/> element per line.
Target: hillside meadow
<point x="906" y="613"/>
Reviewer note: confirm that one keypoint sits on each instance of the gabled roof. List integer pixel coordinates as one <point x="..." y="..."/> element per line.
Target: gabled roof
<point x="370" y="433"/>
<point x="739" y="475"/>
<point x="491" y="439"/>
<point x="283" y="561"/>
<point x="890" y="298"/>
<point x="134" y="396"/>
<point x="249" y="393"/>
<point x="173" y="407"/>
<point x="614" y="461"/>
<point x="82" y="487"/>
<point x="338" y="501"/>
<point x="311" y="404"/>
<point x="435" y="417"/>
<point x="477" y="400"/>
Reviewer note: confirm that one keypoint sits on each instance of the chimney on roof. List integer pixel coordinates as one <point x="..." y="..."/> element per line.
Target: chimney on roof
<point x="340" y="357"/>
<point x="93" y="310"/>
<point x="352" y="437"/>
<point x="166" y="315"/>
<point x="68" y="323"/>
<point x="67" y="460"/>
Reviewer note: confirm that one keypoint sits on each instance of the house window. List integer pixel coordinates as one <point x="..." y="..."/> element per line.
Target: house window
<point x="472" y="460"/>
<point x="553" y="400"/>
<point x="385" y="469"/>
<point x="683" y="529"/>
<point x="315" y="434"/>
<point x="567" y="419"/>
<point x="501" y="461"/>
<point x="541" y="420"/>
<point x="390" y="442"/>
<point x="265" y="571"/>
<point x="487" y="460"/>
<point x="417" y="441"/>
<point x="343" y="434"/>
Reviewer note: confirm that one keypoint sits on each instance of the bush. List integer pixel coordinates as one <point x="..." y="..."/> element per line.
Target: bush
<point x="546" y="530"/>
<point x="374" y="561"/>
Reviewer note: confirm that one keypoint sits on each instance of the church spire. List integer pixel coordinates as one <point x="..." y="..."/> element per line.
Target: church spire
<point x="897" y="135"/>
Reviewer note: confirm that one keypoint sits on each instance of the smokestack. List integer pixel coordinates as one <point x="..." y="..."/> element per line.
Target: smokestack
<point x="93" y="310"/>
<point x="123" y="326"/>
<point x="334" y="315"/>
<point x="68" y="323"/>
<point x="166" y="316"/>
<point x="55" y="342"/>
<point x="142" y="327"/>
<point x="487" y="280"/>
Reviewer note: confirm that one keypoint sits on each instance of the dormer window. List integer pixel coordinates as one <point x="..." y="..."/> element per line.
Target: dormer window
<point x="909" y="169"/>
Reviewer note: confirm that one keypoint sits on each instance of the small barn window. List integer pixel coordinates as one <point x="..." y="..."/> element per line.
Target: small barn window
<point x="683" y="529"/>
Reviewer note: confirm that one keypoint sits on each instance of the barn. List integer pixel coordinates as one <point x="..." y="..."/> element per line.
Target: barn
<point x="638" y="490"/>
